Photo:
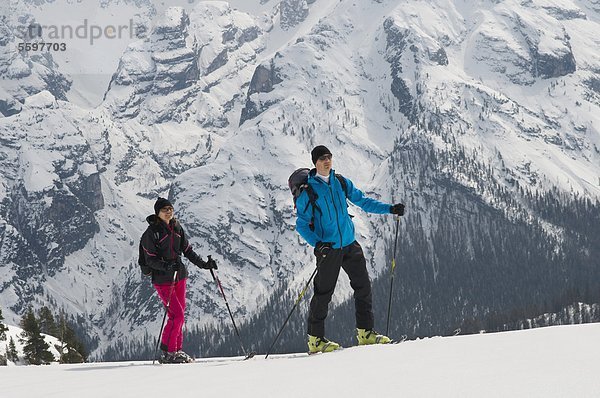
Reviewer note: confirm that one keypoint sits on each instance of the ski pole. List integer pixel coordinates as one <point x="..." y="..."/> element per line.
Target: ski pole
<point x="387" y="327"/>
<point x="237" y="333"/>
<point x="165" y="317"/>
<point x="294" y="307"/>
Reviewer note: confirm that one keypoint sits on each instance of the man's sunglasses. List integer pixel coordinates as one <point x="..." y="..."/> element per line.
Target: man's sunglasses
<point x="325" y="157"/>
<point x="166" y="209"/>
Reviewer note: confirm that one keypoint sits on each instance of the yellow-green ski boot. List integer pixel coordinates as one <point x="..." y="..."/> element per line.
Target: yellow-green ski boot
<point x="321" y="344"/>
<point x="366" y="336"/>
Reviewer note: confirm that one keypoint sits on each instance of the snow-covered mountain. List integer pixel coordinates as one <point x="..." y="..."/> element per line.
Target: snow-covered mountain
<point x="219" y="102"/>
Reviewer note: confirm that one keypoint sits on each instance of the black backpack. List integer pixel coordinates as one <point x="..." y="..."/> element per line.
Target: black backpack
<point x="146" y="270"/>
<point x="298" y="183"/>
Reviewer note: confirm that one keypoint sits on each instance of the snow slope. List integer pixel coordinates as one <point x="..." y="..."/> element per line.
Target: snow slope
<point x="550" y="362"/>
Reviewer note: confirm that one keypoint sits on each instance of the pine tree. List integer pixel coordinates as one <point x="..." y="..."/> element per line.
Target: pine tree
<point x="35" y="347"/>
<point x="46" y="321"/>
<point x="72" y="350"/>
<point x="11" y="351"/>
<point x="3" y="328"/>
<point x="75" y="350"/>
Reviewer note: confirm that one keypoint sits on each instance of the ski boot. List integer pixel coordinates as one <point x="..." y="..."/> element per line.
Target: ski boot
<point x="321" y="344"/>
<point x="369" y="336"/>
<point x="186" y="358"/>
<point x="171" y="357"/>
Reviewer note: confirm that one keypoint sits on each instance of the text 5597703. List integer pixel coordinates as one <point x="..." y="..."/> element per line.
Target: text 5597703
<point x="42" y="46"/>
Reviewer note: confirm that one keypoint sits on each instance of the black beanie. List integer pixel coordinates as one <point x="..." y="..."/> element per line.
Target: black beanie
<point x="319" y="151"/>
<point x="160" y="203"/>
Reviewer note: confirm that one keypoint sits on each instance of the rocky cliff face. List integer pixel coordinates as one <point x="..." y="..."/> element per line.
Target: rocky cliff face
<point x="263" y="81"/>
<point x="170" y="66"/>
<point x="51" y="190"/>
<point x="535" y="43"/>
<point x="292" y="12"/>
<point x="23" y="74"/>
<point x="549" y="46"/>
<point x="168" y="76"/>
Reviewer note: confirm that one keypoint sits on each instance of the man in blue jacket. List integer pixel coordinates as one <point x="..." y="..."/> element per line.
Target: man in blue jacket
<point x="327" y="227"/>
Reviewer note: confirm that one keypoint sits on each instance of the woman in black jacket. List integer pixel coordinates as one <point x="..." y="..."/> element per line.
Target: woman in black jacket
<point x="163" y="243"/>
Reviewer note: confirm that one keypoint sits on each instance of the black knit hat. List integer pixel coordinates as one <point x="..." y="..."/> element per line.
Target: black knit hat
<point x="160" y="203"/>
<point x="319" y="151"/>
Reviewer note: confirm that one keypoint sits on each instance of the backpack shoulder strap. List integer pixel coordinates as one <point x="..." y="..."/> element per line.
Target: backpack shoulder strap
<point x="343" y="182"/>
<point x="312" y="201"/>
<point x="312" y="196"/>
<point x="154" y="231"/>
<point x="155" y="234"/>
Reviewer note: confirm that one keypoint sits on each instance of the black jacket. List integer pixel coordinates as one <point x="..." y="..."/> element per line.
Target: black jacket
<point x="164" y="245"/>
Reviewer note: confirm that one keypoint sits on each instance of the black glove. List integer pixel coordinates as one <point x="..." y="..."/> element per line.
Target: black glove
<point x="210" y="264"/>
<point x="322" y="249"/>
<point x="172" y="266"/>
<point x="397" y="209"/>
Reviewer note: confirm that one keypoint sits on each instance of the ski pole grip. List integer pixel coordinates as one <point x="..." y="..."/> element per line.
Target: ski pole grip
<point x="211" y="270"/>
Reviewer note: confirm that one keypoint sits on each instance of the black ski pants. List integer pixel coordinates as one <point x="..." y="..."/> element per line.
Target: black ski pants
<point x="352" y="260"/>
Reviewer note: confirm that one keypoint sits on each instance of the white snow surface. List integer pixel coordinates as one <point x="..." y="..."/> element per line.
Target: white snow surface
<point x="550" y="362"/>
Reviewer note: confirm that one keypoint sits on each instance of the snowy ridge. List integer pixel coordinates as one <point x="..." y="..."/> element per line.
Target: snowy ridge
<point x="549" y="362"/>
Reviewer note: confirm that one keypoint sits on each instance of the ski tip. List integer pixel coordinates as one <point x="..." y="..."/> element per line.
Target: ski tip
<point x="400" y="340"/>
<point x="340" y="348"/>
<point x="250" y="355"/>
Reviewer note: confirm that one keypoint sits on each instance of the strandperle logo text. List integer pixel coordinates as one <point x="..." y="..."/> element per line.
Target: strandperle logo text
<point x="85" y="31"/>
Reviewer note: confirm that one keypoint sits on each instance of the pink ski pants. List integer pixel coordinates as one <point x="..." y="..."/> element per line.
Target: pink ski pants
<point x="172" y="337"/>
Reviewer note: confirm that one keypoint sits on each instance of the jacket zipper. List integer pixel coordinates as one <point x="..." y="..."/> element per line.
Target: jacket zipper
<point x="337" y="220"/>
<point x="172" y="238"/>
<point x="328" y="209"/>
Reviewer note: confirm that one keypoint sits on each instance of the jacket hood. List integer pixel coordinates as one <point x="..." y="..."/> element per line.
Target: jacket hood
<point x="152" y="219"/>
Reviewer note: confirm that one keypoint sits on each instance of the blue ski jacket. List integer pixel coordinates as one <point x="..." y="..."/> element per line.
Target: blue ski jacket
<point x="332" y="223"/>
